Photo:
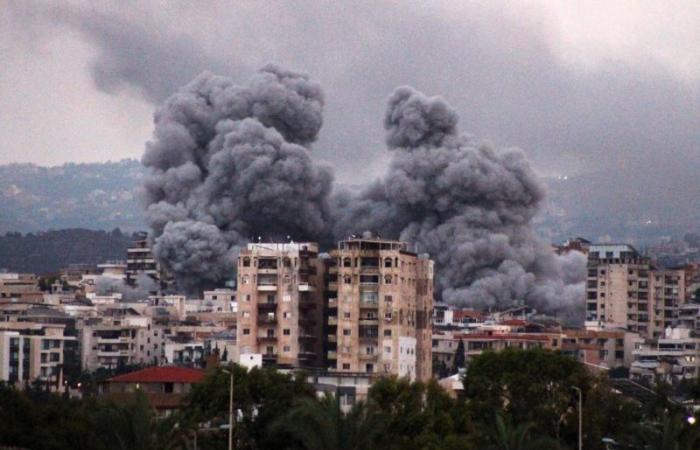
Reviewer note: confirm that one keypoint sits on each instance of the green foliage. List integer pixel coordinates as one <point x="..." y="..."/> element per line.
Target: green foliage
<point x="515" y="400"/>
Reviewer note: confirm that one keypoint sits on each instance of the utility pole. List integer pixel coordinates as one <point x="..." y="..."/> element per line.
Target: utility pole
<point x="580" y="416"/>
<point x="230" y="407"/>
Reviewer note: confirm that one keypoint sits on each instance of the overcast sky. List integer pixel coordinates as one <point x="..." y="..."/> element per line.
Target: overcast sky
<point x="580" y="86"/>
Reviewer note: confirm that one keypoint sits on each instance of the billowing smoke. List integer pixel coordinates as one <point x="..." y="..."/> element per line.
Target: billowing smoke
<point x="469" y="206"/>
<point x="142" y="288"/>
<point x="230" y="163"/>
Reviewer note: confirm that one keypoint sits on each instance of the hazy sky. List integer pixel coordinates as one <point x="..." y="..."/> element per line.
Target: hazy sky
<point x="581" y="86"/>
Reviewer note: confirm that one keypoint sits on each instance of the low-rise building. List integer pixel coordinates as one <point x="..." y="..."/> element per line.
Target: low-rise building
<point x="165" y="387"/>
<point x="673" y="357"/>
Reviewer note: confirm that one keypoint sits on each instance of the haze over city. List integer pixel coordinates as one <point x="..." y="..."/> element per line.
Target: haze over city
<point x="223" y="223"/>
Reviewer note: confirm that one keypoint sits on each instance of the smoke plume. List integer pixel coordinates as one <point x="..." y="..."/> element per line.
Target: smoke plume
<point x="229" y="163"/>
<point x="469" y="206"/>
<point x="232" y="162"/>
<point x="143" y="287"/>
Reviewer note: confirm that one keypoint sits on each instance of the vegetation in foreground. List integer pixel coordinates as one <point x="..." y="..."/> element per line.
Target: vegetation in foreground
<point x="514" y="400"/>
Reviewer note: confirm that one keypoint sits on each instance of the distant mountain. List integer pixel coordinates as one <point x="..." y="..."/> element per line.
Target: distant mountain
<point x="98" y="196"/>
<point x="616" y="205"/>
<point x="50" y="251"/>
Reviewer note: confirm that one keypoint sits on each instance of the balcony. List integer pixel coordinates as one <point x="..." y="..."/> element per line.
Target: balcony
<point x="267" y="338"/>
<point x="332" y="338"/>
<point x="369" y="305"/>
<point x="332" y="302"/>
<point x="332" y="320"/>
<point x="332" y="354"/>
<point x="306" y="287"/>
<point x="267" y="320"/>
<point x="267" y="305"/>
<point x="267" y="287"/>
<point x="307" y="320"/>
<point x="333" y="286"/>
<point x="307" y="337"/>
<point x="367" y="357"/>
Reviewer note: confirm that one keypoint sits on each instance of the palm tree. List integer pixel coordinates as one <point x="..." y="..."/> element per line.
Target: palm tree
<point x="505" y="436"/>
<point x="320" y="424"/>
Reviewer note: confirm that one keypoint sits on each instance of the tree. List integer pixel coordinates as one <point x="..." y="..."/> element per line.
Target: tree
<point x="459" y="359"/>
<point x="321" y="425"/>
<point x="506" y="436"/>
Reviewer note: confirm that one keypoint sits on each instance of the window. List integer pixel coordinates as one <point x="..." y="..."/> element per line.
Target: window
<point x="347" y="279"/>
<point x="387" y="279"/>
<point x="346" y="315"/>
<point x="387" y="349"/>
<point x="387" y="262"/>
<point x="347" y="262"/>
<point x="387" y="299"/>
<point x="286" y="331"/>
<point x="387" y="333"/>
<point x="246" y="331"/>
<point x="346" y="331"/>
<point x="246" y="262"/>
<point x="346" y="366"/>
<point x="286" y="349"/>
<point x="369" y="368"/>
<point x="168" y="388"/>
<point x="246" y="314"/>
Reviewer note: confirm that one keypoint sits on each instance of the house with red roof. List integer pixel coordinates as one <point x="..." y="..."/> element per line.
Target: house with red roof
<point x="165" y="386"/>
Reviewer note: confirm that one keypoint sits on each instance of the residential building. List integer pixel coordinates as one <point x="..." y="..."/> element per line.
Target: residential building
<point x="121" y="337"/>
<point x="140" y="260"/>
<point x="165" y="387"/>
<point x="32" y="351"/>
<point x="671" y="358"/>
<point x="624" y="290"/>
<point x="380" y="300"/>
<point x="280" y="303"/>
<point x="21" y="287"/>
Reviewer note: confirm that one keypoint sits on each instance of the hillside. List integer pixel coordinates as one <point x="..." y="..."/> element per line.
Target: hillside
<point x="49" y="251"/>
<point x="97" y="196"/>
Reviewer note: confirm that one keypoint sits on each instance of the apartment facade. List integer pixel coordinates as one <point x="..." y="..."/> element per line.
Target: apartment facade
<point x="126" y="339"/>
<point x="380" y="300"/>
<point x="31" y="351"/>
<point x="624" y="290"/>
<point x="280" y="303"/>
<point x="671" y="358"/>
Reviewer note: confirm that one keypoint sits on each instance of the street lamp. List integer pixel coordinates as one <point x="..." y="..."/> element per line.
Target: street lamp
<point x="580" y="416"/>
<point x="230" y="408"/>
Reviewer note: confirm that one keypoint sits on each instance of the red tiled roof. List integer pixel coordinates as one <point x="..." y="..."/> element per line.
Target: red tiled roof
<point x="166" y="374"/>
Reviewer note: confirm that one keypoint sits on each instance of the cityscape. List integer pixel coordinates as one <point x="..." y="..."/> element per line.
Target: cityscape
<point x="324" y="233"/>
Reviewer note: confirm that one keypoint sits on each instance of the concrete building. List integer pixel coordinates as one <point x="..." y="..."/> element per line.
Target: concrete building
<point x="671" y="358"/>
<point x="140" y="260"/>
<point x="625" y="291"/>
<point x="165" y="387"/>
<point x="122" y="337"/>
<point x="32" y="351"/>
<point x="21" y="287"/>
<point x="280" y="303"/>
<point x="380" y="300"/>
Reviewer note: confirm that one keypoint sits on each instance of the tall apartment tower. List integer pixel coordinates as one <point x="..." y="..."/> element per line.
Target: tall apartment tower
<point x="624" y="290"/>
<point x="280" y="303"/>
<point x="380" y="298"/>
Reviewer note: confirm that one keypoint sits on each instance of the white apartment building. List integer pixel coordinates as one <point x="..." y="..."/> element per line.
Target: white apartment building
<point x="31" y="351"/>
<point x="673" y="357"/>
<point x="124" y="338"/>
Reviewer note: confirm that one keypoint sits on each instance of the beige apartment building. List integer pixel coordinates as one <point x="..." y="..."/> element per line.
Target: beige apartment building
<point x="280" y="303"/>
<point x="380" y="299"/>
<point x="624" y="290"/>
<point x="31" y="351"/>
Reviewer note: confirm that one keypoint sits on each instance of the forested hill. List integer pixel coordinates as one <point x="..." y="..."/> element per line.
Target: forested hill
<point x="98" y="196"/>
<point x="49" y="251"/>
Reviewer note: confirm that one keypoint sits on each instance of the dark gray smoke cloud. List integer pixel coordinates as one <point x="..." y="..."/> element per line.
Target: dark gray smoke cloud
<point x="229" y="163"/>
<point x="470" y="206"/>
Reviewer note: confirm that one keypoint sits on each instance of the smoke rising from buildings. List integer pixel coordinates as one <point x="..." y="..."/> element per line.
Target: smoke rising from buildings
<point x="230" y="163"/>
<point x="143" y="287"/>
<point x="469" y="206"/>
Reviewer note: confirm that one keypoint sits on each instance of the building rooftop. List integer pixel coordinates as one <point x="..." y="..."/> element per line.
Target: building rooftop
<point x="165" y="374"/>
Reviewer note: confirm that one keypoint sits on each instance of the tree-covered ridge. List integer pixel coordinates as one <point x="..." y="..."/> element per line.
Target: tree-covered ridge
<point x="95" y="196"/>
<point x="514" y="400"/>
<point x="50" y="251"/>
